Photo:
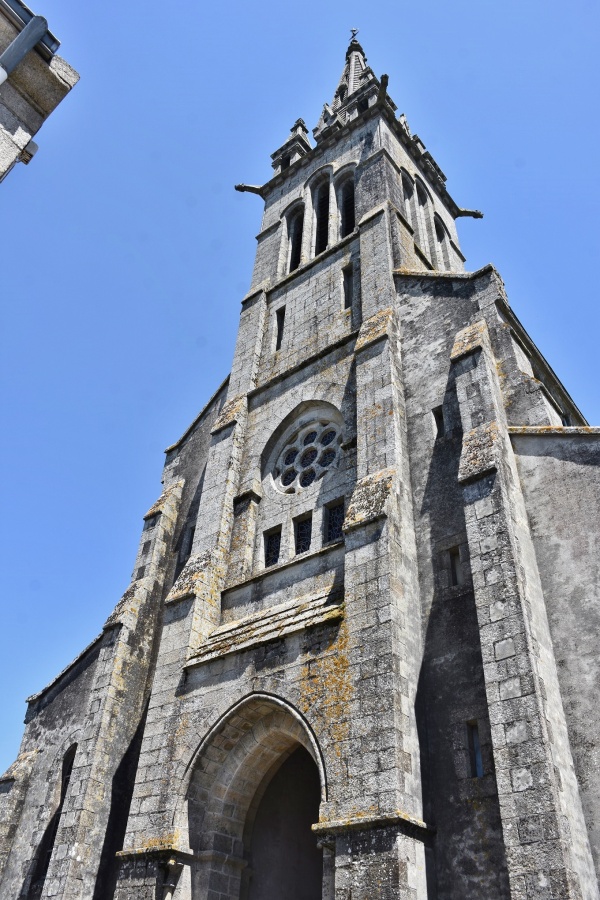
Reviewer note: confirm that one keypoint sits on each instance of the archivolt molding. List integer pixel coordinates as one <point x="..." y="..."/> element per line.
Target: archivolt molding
<point x="253" y="720"/>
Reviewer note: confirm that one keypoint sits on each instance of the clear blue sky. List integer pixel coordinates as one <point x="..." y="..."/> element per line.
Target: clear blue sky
<point x="126" y="251"/>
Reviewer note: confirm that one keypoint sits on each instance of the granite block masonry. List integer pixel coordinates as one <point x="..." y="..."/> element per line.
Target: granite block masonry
<point x="358" y="654"/>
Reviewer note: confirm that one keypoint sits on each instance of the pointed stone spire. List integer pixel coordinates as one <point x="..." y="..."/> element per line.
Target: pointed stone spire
<point x="356" y="90"/>
<point x="297" y="145"/>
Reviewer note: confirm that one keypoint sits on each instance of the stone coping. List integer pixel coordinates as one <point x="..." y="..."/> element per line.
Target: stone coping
<point x="554" y="430"/>
<point x="370" y="821"/>
<point x="267" y="625"/>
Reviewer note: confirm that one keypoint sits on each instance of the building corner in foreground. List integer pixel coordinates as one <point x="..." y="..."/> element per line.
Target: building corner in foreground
<point x="36" y="83"/>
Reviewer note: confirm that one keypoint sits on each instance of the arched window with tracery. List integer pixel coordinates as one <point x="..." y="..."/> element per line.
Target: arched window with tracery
<point x="295" y="232"/>
<point x="321" y="208"/>
<point x="346" y="203"/>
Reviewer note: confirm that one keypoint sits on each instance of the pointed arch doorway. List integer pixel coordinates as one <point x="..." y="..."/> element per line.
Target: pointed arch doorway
<point x="254" y="792"/>
<point x="284" y="859"/>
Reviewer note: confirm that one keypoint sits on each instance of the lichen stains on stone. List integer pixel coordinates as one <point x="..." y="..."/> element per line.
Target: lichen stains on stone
<point x="326" y="691"/>
<point x="469" y="339"/>
<point x="230" y="413"/>
<point x="163" y="499"/>
<point x="369" y="498"/>
<point x="265" y="626"/>
<point x="479" y="452"/>
<point x="374" y="328"/>
<point x="194" y="575"/>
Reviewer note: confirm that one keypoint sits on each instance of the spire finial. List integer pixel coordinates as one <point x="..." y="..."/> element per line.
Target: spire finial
<point x="353" y="32"/>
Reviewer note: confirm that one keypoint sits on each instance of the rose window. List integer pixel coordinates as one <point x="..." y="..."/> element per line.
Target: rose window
<point x="307" y="456"/>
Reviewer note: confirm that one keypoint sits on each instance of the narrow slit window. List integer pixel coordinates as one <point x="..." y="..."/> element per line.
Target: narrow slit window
<point x="438" y="417"/>
<point x="280" y="324"/>
<point x="475" y="759"/>
<point x="348" y="285"/>
<point x="335" y="520"/>
<point x="347" y="208"/>
<point x="456" y="570"/>
<point x="296" y="228"/>
<point x="146" y="547"/>
<point x="272" y="547"/>
<point x="322" y="218"/>
<point x="150" y="522"/>
<point x="303" y="534"/>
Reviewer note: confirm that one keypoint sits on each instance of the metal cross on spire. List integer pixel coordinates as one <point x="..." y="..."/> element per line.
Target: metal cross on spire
<point x="353" y="32"/>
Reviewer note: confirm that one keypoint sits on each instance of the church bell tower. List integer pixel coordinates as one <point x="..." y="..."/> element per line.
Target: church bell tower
<point x="348" y="631"/>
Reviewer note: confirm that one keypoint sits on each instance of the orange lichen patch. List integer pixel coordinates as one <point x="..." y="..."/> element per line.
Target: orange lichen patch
<point x="479" y="451"/>
<point x="370" y="818"/>
<point x="230" y="413"/>
<point x="374" y="328"/>
<point x="267" y="625"/>
<point x="469" y="339"/>
<point x="326" y="691"/>
<point x="168" y="842"/>
<point x="563" y="430"/>
<point x="369" y="498"/>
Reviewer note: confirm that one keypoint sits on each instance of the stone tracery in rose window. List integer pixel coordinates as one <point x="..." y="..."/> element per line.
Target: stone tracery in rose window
<point x="307" y="456"/>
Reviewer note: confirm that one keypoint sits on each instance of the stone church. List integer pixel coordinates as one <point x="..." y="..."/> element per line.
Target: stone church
<point x="358" y="656"/>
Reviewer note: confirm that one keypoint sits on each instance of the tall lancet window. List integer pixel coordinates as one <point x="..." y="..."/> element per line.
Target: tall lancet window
<point x="346" y="202"/>
<point x="443" y="253"/>
<point x="295" y="230"/>
<point x="321" y="203"/>
<point x="409" y="202"/>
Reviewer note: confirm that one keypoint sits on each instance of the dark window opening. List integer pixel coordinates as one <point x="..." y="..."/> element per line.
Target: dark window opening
<point x="146" y="547"/>
<point x="438" y="415"/>
<point x="303" y="534"/>
<point x="363" y="105"/>
<point x="285" y="161"/>
<point x="272" y="547"/>
<point x="421" y="195"/>
<point x="475" y="759"/>
<point x="348" y="281"/>
<point x="322" y="216"/>
<point x="150" y="522"/>
<point x="280" y="325"/>
<point x="296" y="228"/>
<point x="456" y="570"/>
<point x="347" y="207"/>
<point x="335" y="521"/>
<point x="407" y="188"/>
<point x="141" y="572"/>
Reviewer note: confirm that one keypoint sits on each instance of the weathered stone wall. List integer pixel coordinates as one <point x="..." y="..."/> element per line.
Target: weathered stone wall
<point x="560" y="478"/>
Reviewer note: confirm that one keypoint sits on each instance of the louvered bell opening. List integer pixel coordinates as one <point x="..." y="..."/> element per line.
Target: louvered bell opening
<point x="322" y="210"/>
<point x="296" y="228"/>
<point x="348" y="216"/>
